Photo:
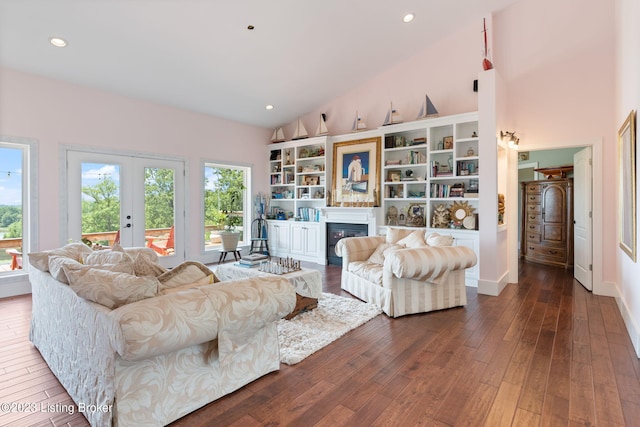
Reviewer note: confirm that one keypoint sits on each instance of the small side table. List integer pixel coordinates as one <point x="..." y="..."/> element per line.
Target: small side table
<point x="223" y="255"/>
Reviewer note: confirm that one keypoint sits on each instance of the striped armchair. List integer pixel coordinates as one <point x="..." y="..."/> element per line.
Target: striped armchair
<point x="402" y="273"/>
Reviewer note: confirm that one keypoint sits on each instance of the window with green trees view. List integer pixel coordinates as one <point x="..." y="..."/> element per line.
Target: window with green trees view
<point x="12" y="162"/>
<point x="101" y="198"/>
<point x="225" y="202"/>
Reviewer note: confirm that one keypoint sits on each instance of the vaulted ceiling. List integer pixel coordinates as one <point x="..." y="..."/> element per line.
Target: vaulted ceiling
<point x="200" y="55"/>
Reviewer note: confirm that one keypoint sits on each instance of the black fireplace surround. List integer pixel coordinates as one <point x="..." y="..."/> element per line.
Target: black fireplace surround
<point x="336" y="231"/>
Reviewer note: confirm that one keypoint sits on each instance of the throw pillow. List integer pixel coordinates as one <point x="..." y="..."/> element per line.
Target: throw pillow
<point x="413" y="240"/>
<point x="76" y="251"/>
<point x="377" y="257"/>
<point x="109" y="288"/>
<point x="110" y="258"/>
<point x="206" y="280"/>
<point x="391" y="249"/>
<point x="186" y="273"/>
<point x="143" y="266"/>
<point x="106" y="256"/>
<point x="144" y="251"/>
<point x="395" y="234"/>
<point x="56" y="262"/>
<point x="435" y="239"/>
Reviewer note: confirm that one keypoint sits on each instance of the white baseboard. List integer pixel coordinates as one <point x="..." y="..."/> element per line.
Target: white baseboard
<point x="493" y="288"/>
<point x="630" y="323"/>
<point x="12" y="286"/>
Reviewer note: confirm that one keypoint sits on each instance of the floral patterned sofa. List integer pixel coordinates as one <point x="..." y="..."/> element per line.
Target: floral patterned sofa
<point x="147" y="349"/>
<point x="407" y="271"/>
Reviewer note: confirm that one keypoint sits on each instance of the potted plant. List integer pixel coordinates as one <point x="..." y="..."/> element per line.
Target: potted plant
<point x="231" y="236"/>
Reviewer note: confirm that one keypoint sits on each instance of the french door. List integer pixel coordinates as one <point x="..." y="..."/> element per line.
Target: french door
<point x="136" y="201"/>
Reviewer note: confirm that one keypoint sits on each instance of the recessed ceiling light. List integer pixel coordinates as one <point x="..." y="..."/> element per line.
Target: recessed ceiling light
<point x="57" y="41"/>
<point x="269" y="107"/>
<point x="408" y="17"/>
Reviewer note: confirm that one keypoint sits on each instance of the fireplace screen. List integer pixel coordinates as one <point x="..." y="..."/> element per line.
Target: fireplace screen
<point x="337" y="231"/>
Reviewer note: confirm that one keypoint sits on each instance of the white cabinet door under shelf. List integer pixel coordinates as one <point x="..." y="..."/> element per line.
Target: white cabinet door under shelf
<point x="471" y="240"/>
<point x="305" y="239"/>
<point x="279" y="232"/>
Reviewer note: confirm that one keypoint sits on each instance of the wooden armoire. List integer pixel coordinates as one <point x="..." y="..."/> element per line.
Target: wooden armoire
<point x="547" y="222"/>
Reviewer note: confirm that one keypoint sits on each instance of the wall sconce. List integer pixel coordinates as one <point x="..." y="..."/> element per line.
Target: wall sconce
<point x="510" y="138"/>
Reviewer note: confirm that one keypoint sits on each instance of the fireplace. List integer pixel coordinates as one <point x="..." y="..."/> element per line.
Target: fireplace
<point x="336" y="231"/>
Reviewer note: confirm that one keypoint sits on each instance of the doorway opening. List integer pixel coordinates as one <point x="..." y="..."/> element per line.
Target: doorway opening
<point x="579" y="158"/>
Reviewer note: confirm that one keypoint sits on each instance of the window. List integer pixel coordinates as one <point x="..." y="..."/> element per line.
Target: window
<point x="16" y="202"/>
<point x="226" y="204"/>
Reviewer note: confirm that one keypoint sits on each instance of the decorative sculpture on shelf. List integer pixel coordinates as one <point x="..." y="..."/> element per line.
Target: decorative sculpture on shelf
<point x="501" y="208"/>
<point x="441" y="217"/>
<point x="392" y="216"/>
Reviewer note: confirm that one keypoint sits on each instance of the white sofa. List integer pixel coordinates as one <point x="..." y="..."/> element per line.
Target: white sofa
<point x="151" y="361"/>
<point x="407" y="271"/>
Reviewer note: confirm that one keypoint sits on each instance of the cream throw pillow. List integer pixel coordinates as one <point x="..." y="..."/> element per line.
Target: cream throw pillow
<point x="143" y="266"/>
<point x="189" y="272"/>
<point x="413" y="240"/>
<point x="435" y="239"/>
<point x="378" y="256"/>
<point x="56" y="262"/>
<point x="395" y="234"/>
<point x="109" y="288"/>
<point x="76" y="251"/>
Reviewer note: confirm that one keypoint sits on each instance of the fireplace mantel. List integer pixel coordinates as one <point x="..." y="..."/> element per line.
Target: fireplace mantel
<point x="351" y="216"/>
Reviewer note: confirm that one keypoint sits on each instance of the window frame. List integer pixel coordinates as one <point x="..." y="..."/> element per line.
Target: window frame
<point x="30" y="200"/>
<point x="247" y="216"/>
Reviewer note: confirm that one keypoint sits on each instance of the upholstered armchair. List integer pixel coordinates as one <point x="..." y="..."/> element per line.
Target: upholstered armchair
<point x="407" y="271"/>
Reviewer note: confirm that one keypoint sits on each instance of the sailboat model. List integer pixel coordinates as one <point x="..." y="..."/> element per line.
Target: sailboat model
<point x="300" y="132"/>
<point x="392" y="117"/>
<point x="322" y="126"/>
<point x="358" y="124"/>
<point x="278" y="135"/>
<point x="486" y="63"/>
<point x="427" y="109"/>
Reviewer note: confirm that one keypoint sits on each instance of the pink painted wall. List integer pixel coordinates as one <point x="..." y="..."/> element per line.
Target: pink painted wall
<point x="444" y="71"/>
<point x="627" y="98"/>
<point x="55" y="113"/>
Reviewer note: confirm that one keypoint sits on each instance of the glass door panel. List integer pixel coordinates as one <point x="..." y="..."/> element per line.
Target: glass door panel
<point x="100" y="186"/>
<point x="131" y="200"/>
<point x="159" y="209"/>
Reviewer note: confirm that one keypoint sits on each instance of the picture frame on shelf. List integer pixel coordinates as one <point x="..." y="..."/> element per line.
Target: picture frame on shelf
<point x="394" y="175"/>
<point x="356" y="170"/>
<point x="627" y="186"/>
<point x="415" y="216"/>
<point x="312" y="180"/>
<point x="447" y="142"/>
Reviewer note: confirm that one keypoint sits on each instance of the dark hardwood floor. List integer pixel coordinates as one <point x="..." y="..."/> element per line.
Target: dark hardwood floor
<point x="544" y="353"/>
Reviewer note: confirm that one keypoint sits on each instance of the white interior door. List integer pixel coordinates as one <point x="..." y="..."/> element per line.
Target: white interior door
<point x="582" y="215"/>
<point x="137" y="201"/>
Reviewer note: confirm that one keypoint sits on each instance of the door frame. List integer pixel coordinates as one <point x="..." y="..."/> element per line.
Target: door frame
<point x="599" y="286"/>
<point x="181" y="204"/>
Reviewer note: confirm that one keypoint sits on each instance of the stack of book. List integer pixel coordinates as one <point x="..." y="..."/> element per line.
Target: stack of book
<point x="252" y="260"/>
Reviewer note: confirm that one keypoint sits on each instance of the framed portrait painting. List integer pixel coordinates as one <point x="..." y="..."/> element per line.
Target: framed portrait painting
<point x="356" y="171"/>
<point x="627" y="186"/>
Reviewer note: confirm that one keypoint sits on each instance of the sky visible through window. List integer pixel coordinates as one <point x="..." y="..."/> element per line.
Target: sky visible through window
<point x="92" y="173"/>
<point x="10" y="176"/>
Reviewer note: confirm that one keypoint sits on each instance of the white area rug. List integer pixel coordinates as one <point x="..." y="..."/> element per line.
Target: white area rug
<point x="310" y="331"/>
